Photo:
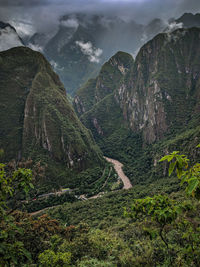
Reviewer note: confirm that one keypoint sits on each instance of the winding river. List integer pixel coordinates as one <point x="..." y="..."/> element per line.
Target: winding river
<point x="118" y="167"/>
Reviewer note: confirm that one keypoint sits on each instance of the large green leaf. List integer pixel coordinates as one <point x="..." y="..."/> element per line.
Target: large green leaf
<point x="192" y="185"/>
<point x="171" y="167"/>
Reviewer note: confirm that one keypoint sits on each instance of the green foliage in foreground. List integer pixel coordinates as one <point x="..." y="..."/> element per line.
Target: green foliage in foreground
<point x="191" y="176"/>
<point x="13" y="183"/>
<point x="159" y="230"/>
<point x="173" y="229"/>
<point x="12" y="250"/>
<point x="50" y="258"/>
<point x="169" y="215"/>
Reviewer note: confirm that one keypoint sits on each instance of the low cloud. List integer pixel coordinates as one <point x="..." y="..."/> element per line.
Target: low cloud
<point x="9" y="39"/>
<point x="89" y="50"/>
<point x="23" y="28"/>
<point x="36" y="47"/>
<point x="70" y="23"/>
<point x="144" y="38"/>
<point x="44" y="15"/>
<point x="135" y="53"/>
<point x="174" y="26"/>
<point x="55" y="66"/>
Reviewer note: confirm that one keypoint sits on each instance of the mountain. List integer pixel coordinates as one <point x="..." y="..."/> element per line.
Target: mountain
<point x="38" y="41"/>
<point x="8" y="37"/>
<point x="108" y="79"/>
<point x="38" y="122"/>
<point x="73" y="55"/>
<point x="84" y="42"/>
<point x="157" y="100"/>
<point x="189" y="20"/>
<point x="152" y="29"/>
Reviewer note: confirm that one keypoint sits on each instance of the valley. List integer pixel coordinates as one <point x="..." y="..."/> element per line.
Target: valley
<point x="100" y="139"/>
<point x="118" y="168"/>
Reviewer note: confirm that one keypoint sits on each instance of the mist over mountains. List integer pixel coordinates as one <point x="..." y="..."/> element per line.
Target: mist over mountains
<point x="8" y="37"/>
<point x="99" y="116"/>
<point x="84" y="42"/>
<point x="77" y="37"/>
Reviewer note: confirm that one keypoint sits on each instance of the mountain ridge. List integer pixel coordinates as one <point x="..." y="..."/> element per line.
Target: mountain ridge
<point x="156" y="102"/>
<point x="38" y="122"/>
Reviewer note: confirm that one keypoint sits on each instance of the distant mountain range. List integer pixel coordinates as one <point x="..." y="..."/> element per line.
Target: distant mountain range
<point x="84" y="42"/>
<point x="189" y="20"/>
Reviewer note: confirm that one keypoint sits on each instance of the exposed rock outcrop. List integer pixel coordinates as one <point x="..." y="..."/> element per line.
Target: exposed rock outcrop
<point x="157" y="94"/>
<point x="37" y="120"/>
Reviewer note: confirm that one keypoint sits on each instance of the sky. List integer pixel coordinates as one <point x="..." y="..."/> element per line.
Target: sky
<point x="43" y="15"/>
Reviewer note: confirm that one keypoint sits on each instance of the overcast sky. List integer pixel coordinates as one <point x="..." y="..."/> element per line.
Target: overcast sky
<point x="44" y="13"/>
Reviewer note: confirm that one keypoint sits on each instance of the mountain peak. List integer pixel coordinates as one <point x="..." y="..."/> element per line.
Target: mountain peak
<point x="9" y="37"/>
<point x="4" y="25"/>
<point x="158" y="93"/>
<point x="189" y="20"/>
<point x="37" y="120"/>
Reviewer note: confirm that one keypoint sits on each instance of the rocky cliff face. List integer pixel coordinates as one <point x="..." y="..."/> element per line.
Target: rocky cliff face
<point x="159" y="94"/>
<point x="162" y="91"/>
<point x="37" y="120"/>
<point x="85" y="41"/>
<point x="105" y="84"/>
<point x="156" y="99"/>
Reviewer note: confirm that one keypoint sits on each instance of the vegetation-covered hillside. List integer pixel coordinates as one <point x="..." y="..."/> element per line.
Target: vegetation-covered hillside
<point x="153" y="224"/>
<point x="153" y="108"/>
<point x="56" y="208"/>
<point x="39" y="123"/>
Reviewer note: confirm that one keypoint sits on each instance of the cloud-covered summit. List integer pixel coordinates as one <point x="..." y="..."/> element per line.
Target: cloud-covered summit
<point x="44" y="15"/>
<point x="8" y="37"/>
<point x="78" y="36"/>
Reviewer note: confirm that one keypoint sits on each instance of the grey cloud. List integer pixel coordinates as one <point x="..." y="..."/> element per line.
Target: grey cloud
<point x="190" y="5"/>
<point x="45" y="14"/>
<point x="89" y="50"/>
<point x="23" y="2"/>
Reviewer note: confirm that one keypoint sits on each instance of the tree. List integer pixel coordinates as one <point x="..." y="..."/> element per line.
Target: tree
<point x="189" y="175"/>
<point x="50" y="259"/>
<point x="169" y="218"/>
<point x="160" y="209"/>
<point x="12" y="251"/>
<point x="10" y="185"/>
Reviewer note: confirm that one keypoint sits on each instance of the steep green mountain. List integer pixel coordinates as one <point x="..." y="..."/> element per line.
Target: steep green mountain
<point x="38" y="122"/>
<point x="84" y="42"/>
<point x="162" y="93"/>
<point x="108" y="79"/>
<point x="154" y="107"/>
<point x="74" y="66"/>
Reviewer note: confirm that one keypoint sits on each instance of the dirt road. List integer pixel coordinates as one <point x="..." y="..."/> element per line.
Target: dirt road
<point x="118" y="167"/>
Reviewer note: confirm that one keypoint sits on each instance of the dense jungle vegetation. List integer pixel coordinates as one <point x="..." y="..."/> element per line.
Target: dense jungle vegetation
<point x="155" y="225"/>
